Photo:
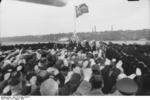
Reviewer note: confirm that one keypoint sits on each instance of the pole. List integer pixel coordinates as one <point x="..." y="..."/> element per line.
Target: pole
<point x="75" y="24"/>
<point x="95" y="28"/>
<point x="0" y="25"/>
<point x="112" y="28"/>
<point x="74" y="20"/>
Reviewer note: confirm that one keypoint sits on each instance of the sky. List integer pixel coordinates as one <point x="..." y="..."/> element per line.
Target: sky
<point x="21" y="18"/>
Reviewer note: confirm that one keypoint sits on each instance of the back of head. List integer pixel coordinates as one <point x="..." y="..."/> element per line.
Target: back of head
<point x="49" y="88"/>
<point x="96" y="81"/>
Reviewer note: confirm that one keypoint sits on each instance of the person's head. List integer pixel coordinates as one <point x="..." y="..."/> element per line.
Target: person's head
<point x="96" y="81"/>
<point x="80" y="63"/>
<point x="42" y="75"/>
<point x="19" y="68"/>
<point x="49" y="87"/>
<point x="29" y="75"/>
<point x="42" y="62"/>
<point x="86" y="64"/>
<point x="8" y="67"/>
<point x="89" y="55"/>
<point x="16" y="75"/>
<point x="100" y="61"/>
<point x="33" y="80"/>
<point x="51" y="59"/>
<point x="59" y="64"/>
<point x="92" y="43"/>
<point x="15" y="86"/>
<point x="64" y="70"/>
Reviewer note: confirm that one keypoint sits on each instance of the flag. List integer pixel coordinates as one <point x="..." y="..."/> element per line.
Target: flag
<point x="81" y="9"/>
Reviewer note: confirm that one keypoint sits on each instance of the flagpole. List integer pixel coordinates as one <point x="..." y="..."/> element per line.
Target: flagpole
<point x="75" y="25"/>
<point x="74" y="20"/>
<point x="0" y="25"/>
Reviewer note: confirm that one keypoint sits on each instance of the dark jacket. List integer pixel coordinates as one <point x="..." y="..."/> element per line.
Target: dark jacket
<point x="70" y="87"/>
<point x="109" y="77"/>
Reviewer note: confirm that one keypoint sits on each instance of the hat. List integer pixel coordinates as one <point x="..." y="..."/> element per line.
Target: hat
<point x="49" y="87"/>
<point x="127" y="86"/>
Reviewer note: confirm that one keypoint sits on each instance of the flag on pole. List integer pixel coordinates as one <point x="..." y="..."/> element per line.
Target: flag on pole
<point x="81" y="9"/>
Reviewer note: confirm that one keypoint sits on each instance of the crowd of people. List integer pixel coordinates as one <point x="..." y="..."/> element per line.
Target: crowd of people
<point x="83" y="68"/>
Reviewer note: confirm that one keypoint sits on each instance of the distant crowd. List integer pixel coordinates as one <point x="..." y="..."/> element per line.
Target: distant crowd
<point x="77" y="68"/>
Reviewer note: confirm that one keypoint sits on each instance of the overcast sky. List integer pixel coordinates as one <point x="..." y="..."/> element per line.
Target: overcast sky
<point x="20" y="18"/>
